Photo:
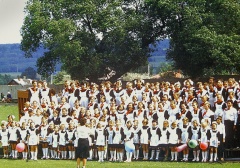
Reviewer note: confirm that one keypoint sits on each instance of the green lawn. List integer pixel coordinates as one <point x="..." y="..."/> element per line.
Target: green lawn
<point x="7" y="109"/>
<point x="91" y="164"/>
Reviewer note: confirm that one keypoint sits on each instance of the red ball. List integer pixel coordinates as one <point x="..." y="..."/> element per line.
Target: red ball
<point x="20" y="147"/>
<point x="203" y="145"/>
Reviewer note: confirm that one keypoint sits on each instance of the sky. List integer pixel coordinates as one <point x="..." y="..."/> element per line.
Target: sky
<point x="11" y="20"/>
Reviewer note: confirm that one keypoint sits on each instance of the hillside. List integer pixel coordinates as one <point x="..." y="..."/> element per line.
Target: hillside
<point x="12" y="58"/>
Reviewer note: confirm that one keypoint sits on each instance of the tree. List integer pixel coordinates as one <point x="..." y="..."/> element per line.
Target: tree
<point x="5" y="79"/>
<point x="91" y="38"/>
<point x="29" y="73"/>
<point x="205" y="35"/>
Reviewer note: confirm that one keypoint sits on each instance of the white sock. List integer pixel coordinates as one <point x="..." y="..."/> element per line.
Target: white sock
<point x="152" y="154"/>
<point x="137" y="153"/>
<point x="194" y="154"/>
<point x="172" y="154"/>
<point x="211" y="156"/>
<point x="73" y="154"/>
<point x="176" y="154"/>
<point x="157" y="154"/>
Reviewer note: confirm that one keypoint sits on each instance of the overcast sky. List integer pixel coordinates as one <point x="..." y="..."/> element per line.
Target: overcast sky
<point x="11" y="20"/>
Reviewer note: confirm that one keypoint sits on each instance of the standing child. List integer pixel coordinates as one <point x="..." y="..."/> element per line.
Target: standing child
<point x="195" y="135"/>
<point x="4" y="140"/>
<point x="23" y="137"/>
<point x="163" y="142"/>
<point x="100" y="141"/>
<point x="33" y="140"/>
<point x="204" y="139"/>
<point x="43" y="138"/>
<point x="13" y="134"/>
<point x="62" y="141"/>
<point x="128" y="138"/>
<point x="185" y="129"/>
<point x="118" y="140"/>
<point x="55" y="142"/>
<point x="145" y="138"/>
<point x="136" y="139"/>
<point x="214" y="134"/>
<point x="154" y="139"/>
<point x="109" y="132"/>
<point x="174" y="139"/>
<point x="69" y="141"/>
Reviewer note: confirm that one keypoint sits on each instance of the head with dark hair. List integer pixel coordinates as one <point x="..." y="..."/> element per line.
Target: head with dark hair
<point x="82" y="121"/>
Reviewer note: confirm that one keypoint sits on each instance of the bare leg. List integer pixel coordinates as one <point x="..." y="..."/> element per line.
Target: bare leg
<point x="78" y="162"/>
<point x="84" y="162"/>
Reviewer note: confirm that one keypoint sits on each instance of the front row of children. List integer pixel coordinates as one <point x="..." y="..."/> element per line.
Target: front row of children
<point x="109" y="140"/>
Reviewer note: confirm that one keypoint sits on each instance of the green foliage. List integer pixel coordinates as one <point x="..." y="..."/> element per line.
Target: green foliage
<point x="59" y="78"/>
<point x="5" y="79"/>
<point x="90" y="38"/>
<point x="29" y="73"/>
<point x="205" y="37"/>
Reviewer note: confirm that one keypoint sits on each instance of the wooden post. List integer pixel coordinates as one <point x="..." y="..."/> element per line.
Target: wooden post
<point x="23" y="97"/>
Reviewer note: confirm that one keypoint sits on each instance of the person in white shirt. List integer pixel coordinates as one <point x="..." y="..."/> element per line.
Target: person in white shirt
<point x="82" y="150"/>
<point x="230" y="120"/>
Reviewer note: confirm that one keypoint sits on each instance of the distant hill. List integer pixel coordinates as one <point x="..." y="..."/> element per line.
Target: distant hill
<point x="12" y="58"/>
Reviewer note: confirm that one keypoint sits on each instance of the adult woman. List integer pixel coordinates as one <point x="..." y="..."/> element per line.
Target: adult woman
<point x="82" y="150"/>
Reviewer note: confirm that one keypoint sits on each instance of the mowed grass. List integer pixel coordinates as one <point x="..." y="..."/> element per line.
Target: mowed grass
<point x="90" y="164"/>
<point x="8" y="109"/>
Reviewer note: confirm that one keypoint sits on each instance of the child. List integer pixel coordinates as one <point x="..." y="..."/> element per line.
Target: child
<point x="109" y="132"/>
<point x="62" y="141"/>
<point x="194" y="135"/>
<point x="145" y="138"/>
<point x="69" y="141"/>
<point x="128" y="136"/>
<point x="174" y="139"/>
<point x="221" y="130"/>
<point x="13" y="134"/>
<point x="33" y="140"/>
<point x="100" y="141"/>
<point x="23" y="137"/>
<point x="214" y="134"/>
<point x="43" y="139"/>
<point x="204" y="139"/>
<point x="118" y="140"/>
<point x="55" y="141"/>
<point x="136" y="139"/>
<point x="154" y="139"/>
<point x="4" y="140"/>
<point x="163" y="142"/>
<point x="185" y="129"/>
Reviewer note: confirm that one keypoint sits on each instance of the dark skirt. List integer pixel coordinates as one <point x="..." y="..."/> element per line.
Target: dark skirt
<point x="82" y="150"/>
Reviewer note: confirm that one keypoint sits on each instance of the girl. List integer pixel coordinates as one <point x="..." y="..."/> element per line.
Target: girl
<point x="62" y="141"/>
<point x="145" y="138"/>
<point x="4" y="140"/>
<point x="100" y="141"/>
<point x="55" y="142"/>
<point x="43" y="129"/>
<point x="13" y="138"/>
<point x="195" y="135"/>
<point x="140" y="113"/>
<point x="33" y="140"/>
<point x="214" y="141"/>
<point x="109" y="133"/>
<point x="128" y="137"/>
<point x="154" y="139"/>
<point x="204" y="139"/>
<point x="185" y="129"/>
<point x="174" y="139"/>
<point x="118" y="140"/>
<point x="136" y="139"/>
<point x="69" y="141"/>
<point x="163" y="142"/>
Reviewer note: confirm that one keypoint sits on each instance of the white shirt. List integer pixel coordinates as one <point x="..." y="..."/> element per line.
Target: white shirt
<point x="230" y="114"/>
<point x="83" y="132"/>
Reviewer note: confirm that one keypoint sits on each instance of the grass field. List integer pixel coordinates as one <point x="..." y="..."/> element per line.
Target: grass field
<point x="95" y="164"/>
<point x="8" y="109"/>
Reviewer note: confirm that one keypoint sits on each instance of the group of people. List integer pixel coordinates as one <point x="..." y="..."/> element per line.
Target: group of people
<point x="99" y="121"/>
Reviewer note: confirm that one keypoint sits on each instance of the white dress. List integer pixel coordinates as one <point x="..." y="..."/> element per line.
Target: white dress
<point x="100" y="141"/>
<point x="4" y="137"/>
<point x="155" y="137"/>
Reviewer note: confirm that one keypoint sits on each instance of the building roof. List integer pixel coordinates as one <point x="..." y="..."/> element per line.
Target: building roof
<point x="20" y="81"/>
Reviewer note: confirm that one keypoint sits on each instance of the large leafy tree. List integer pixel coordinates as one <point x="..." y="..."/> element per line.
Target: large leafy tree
<point x="90" y="38"/>
<point x="205" y="35"/>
